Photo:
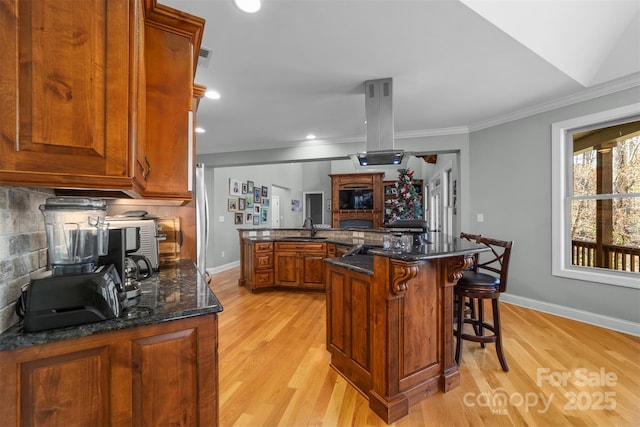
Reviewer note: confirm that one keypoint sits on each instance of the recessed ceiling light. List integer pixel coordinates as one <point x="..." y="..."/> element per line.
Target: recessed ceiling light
<point x="212" y="94"/>
<point x="200" y="130"/>
<point x="249" y="6"/>
<point x="311" y="136"/>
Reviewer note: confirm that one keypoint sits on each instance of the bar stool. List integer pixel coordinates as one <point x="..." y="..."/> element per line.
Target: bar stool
<point x="469" y="309"/>
<point x="486" y="280"/>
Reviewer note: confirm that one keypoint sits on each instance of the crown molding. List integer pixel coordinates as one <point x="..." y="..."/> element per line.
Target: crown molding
<point x="431" y="132"/>
<point x="623" y="83"/>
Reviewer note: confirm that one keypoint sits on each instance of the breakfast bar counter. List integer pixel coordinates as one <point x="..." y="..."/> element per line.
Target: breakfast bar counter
<point x="390" y="328"/>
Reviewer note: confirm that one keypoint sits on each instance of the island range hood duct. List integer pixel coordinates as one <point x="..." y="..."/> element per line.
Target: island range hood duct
<point x="379" y="115"/>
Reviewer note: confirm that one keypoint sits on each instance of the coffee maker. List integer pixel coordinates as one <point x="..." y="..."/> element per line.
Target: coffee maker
<point x="77" y="289"/>
<point x="122" y="248"/>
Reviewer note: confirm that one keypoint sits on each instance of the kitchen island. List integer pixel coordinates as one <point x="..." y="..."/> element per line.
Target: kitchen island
<point x="294" y="258"/>
<point x="157" y="364"/>
<point x="390" y="321"/>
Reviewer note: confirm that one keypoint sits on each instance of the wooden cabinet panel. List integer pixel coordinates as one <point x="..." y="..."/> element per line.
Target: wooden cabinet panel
<point x="312" y="270"/>
<point x="336" y="309"/>
<point x="348" y="331"/>
<point x="97" y="94"/>
<point x="300" y="264"/>
<point x="71" y="389"/>
<point x="263" y="260"/>
<point x="288" y="264"/>
<point x="331" y="250"/>
<point x="359" y="333"/>
<point x="286" y="268"/>
<point x="301" y="246"/>
<point x="169" y="82"/>
<point x="263" y="279"/>
<point x="165" y="380"/>
<point x="64" y="118"/>
<point x="161" y="374"/>
<point x="263" y="246"/>
<point x="257" y="264"/>
<point x="390" y="334"/>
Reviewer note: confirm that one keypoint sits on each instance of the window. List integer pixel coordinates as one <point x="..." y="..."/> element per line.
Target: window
<point x="596" y="197"/>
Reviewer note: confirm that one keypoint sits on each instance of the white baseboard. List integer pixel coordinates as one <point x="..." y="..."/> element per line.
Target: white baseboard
<point x="624" y="326"/>
<point x="221" y="268"/>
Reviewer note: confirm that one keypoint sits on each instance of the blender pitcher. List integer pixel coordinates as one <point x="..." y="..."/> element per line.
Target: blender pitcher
<point x="77" y="234"/>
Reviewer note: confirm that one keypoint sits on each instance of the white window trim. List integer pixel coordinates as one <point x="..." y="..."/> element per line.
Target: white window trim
<point x="561" y="144"/>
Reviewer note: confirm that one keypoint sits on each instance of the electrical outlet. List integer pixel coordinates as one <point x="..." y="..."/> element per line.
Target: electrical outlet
<point x="221" y="218"/>
<point x="222" y="254"/>
<point x="480" y="217"/>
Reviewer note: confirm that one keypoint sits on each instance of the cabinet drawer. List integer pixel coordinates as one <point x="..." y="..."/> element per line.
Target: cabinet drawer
<point x="263" y="278"/>
<point x="301" y="246"/>
<point x="263" y="246"/>
<point x="264" y="261"/>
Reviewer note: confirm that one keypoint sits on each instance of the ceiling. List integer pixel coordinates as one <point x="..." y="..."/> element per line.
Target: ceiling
<point x="299" y="66"/>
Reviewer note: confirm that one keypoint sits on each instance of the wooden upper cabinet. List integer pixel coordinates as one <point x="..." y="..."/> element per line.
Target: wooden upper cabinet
<point x="96" y="95"/>
<point x="65" y="93"/>
<point x="172" y="42"/>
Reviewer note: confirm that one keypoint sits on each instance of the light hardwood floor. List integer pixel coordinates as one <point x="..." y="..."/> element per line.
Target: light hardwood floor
<point x="274" y="370"/>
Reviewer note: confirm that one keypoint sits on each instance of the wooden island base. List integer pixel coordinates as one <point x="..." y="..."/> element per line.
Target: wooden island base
<point x="390" y="334"/>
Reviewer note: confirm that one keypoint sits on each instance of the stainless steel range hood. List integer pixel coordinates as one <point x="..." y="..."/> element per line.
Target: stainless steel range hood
<point x="379" y="114"/>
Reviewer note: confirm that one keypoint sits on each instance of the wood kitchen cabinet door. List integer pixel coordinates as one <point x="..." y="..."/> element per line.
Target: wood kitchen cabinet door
<point x="64" y="117"/>
<point x="172" y="41"/>
<point x="161" y="374"/>
<point x="69" y="389"/>
<point x="348" y="323"/>
<point x="286" y="268"/>
<point x="161" y="363"/>
<point x="300" y="265"/>
<point x="312" y="271"/>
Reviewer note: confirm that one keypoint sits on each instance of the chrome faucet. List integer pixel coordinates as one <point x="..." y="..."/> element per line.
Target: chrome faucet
<point x="308" y="223"/>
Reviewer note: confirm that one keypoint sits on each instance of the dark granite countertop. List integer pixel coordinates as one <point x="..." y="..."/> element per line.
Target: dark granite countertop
<point x="337" y="241"/>
<point x="439" y="246"/>
<point x="177" y="291"/>
<point x="360" y="263"/>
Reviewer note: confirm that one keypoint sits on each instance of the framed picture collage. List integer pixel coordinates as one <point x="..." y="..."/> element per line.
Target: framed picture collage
<point x="248" y="202"/>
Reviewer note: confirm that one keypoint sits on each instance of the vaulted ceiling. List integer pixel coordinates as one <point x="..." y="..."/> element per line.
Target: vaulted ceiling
<point x="298" y="66"/>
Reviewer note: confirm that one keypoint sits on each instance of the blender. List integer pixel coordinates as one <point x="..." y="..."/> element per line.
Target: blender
<point x="77" y="290"/>
<point x="77" y="234"/>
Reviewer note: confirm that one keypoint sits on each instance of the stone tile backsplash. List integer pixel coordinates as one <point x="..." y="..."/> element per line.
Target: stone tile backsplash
<point x="24" y="247"/>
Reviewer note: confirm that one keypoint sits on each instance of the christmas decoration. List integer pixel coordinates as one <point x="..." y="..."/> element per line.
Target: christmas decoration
<point x="408" y="204"/>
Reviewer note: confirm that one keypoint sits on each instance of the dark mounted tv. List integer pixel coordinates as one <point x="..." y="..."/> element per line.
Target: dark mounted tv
<point x="356" y="199"/>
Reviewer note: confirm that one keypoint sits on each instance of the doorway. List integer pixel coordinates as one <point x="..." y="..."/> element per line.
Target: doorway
<point x="313" y="206"/>
<point x="275" y="211"/>
<point x="440" y="201"/>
